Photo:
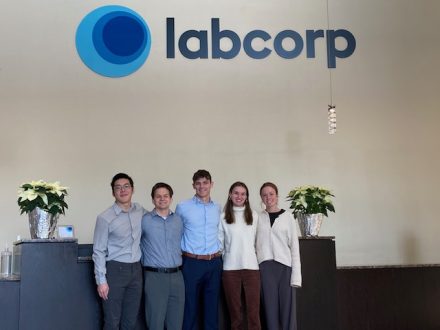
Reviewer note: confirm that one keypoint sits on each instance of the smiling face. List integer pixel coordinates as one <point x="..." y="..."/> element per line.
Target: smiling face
<point x="123" y="191"/>
<point x="238" y="196"/>
<point x="270" y="198"/>
<point x="203" y="186"/>
<point x="162" y="199"/>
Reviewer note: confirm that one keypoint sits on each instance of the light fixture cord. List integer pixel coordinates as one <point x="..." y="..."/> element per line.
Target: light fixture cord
<point x="328" y="54"/>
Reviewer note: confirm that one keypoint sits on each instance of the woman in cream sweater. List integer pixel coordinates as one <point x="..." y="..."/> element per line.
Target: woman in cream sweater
<point x="237" y="233"/>
<point x="278" y="256"/>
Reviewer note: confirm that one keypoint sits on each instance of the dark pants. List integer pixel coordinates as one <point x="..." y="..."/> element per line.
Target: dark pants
<point x="121" y="309"/>
<point x="164" y="300"/>
<point x="233" y="281"/>
<point x="279" y="299"/>
<point x="202" y="283"/>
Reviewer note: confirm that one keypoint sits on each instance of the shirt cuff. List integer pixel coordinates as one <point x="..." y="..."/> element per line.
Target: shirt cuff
<point x="101" y="279"/>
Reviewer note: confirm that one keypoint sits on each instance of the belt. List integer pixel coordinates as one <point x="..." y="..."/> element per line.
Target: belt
<point x="162" y="270"/>
<point x="202" y="256"/>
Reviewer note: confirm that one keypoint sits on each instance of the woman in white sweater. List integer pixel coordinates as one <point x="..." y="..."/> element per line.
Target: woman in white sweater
<point x="279" y="259"/>
<point x="237" y="234"/>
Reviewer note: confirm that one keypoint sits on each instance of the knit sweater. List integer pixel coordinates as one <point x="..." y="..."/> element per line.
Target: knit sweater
<point x="238" y="241"/>
<point x="279" y="243"/>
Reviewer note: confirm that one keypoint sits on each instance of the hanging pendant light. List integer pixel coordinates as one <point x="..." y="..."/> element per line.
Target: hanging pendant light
<point x="331" y="119"/>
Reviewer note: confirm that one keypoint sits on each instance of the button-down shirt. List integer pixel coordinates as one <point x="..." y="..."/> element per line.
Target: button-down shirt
<point x="160" y="242"/>
<point x="117" y="237"/>
<point x="200" y="226"/>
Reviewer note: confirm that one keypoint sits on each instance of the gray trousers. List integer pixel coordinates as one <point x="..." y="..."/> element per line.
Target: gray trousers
<point x="121" y="309"/>
<point x="164" y="300"/>
<point x="279" y="298"/>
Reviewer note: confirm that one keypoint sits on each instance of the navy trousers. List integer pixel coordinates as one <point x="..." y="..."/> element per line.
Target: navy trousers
<point x="202" y="286"/>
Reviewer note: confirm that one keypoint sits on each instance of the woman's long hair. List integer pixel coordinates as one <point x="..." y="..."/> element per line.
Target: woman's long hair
<point x="229" y="212"/>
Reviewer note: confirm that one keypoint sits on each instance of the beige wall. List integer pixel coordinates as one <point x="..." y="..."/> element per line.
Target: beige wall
<point x="243" y="119"/>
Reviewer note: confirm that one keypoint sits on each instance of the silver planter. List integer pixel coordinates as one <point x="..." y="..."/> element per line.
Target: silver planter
<point x="42" y="224"/>
<point x="309" y="224"/>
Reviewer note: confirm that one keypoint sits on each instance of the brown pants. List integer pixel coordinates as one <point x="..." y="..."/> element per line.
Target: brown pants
<point x="233" y="281"/>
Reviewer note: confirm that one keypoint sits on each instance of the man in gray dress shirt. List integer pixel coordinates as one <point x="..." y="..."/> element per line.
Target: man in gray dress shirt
<point x="116" y="254"/>
<point x="164" y="288"/>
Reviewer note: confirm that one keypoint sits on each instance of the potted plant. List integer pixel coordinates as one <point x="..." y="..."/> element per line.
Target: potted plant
<point x="43" y="202"/>
<point x="309" y="205"/>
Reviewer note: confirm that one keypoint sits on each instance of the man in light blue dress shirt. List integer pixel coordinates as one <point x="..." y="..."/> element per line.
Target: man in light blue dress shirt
<point x="117" y="254"/>
<point x="202" y="263"/>
<point x="162" y="260"/>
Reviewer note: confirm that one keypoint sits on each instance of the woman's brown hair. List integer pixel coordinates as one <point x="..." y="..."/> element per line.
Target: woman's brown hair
<point x="269" y="184"/>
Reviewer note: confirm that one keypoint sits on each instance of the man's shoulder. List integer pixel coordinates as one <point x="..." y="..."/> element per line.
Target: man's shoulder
<point x="174" y="215"/>
<point x="175" y="219"/>
<point x="147" y="214"/>
<point x="112" y="212"/>
<point x="186" y="202"/>
<point x="107" y="214"/>
<point x="139" y="208"/>
<point x="193" y="202"/>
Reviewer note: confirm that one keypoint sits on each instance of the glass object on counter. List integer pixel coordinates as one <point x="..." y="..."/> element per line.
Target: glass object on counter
<point x="6" y="263"/>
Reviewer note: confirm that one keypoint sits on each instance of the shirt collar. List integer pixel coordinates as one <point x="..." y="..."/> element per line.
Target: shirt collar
<point x="154" y="213"/>
<point x="199" y="201"/>
<point x="118" y="209"/>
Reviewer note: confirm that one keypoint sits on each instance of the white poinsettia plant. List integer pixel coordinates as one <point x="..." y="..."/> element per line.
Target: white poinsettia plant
<point x="45" y="195"/>
<point x="310" y="200"/>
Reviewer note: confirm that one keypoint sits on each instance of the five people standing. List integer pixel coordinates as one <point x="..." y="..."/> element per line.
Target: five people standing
<point x="182" y="258"/>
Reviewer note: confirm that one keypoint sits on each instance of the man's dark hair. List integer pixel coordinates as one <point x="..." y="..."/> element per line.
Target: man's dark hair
<point x="121" y="176"/>
<point x="201" y="174"/>
<point x="161" y="185"/>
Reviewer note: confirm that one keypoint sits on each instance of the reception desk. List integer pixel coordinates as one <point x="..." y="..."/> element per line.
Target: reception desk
<point x="54" y="288"/>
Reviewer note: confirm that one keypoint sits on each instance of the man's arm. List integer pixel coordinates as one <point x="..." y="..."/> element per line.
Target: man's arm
<point x="221" y="235"/>
<point x="100" y="243"/>
<point x="179" y="210"/>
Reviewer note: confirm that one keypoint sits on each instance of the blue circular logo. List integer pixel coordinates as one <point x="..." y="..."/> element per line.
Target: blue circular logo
<point x="113" y="41"/>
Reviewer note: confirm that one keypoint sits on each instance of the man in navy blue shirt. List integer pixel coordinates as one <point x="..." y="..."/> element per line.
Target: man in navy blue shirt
<point x="202" y="264"/>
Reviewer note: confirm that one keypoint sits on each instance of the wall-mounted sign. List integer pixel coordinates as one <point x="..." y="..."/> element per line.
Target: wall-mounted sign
<point x="115" y="41"/>
<point x="216" y="34"/>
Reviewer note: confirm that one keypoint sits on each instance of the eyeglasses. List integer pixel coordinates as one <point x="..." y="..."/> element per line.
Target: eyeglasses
<point x="124" y="187"/>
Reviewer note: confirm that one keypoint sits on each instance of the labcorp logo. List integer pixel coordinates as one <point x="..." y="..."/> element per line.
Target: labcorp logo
<point x="114" y="41"/>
